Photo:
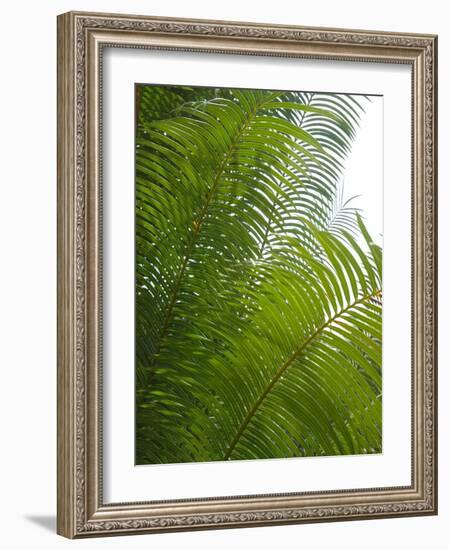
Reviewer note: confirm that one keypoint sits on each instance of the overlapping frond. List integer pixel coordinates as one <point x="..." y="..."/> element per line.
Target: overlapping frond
<point x="258" y="316"/>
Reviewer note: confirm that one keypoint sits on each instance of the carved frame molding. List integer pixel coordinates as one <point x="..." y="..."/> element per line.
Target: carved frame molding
<point x="81" y="38"/>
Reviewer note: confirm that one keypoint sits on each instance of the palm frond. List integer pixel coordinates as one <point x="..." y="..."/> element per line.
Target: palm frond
<point x="258" y="307"/>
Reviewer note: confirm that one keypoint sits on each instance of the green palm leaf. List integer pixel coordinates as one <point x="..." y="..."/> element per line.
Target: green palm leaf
<point x="258" y="315"/>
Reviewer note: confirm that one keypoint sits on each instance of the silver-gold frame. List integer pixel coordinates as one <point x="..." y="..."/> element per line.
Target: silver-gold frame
<point x="81" y="39"/>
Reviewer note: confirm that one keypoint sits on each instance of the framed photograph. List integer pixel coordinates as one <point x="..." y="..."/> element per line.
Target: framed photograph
<point x="246" y="274"/>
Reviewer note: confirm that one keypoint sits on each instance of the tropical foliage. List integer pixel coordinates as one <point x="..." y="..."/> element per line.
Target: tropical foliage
<point x="258" y="292"/>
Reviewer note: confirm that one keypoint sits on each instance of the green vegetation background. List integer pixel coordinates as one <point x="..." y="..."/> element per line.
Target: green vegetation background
<point x="258" y="293"/>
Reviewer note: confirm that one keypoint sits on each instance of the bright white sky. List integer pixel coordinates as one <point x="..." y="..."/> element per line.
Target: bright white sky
<point x="364" y="168"/>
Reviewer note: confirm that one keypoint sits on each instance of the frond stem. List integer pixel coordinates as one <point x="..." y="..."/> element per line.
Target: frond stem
<point x="287" y="364"/>
<point x="198" y="222"/>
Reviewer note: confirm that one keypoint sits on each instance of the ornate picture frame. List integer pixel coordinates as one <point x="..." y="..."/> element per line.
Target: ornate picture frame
<point x="82" y="38"/>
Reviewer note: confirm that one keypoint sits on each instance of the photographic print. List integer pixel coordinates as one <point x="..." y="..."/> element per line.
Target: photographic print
<point x="258" y="274"/>
<point x="247" y="274"/>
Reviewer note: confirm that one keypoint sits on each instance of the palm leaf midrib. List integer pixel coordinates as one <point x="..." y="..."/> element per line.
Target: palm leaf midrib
<point x="198" y="221"/>
<point x="287" y="363"/>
